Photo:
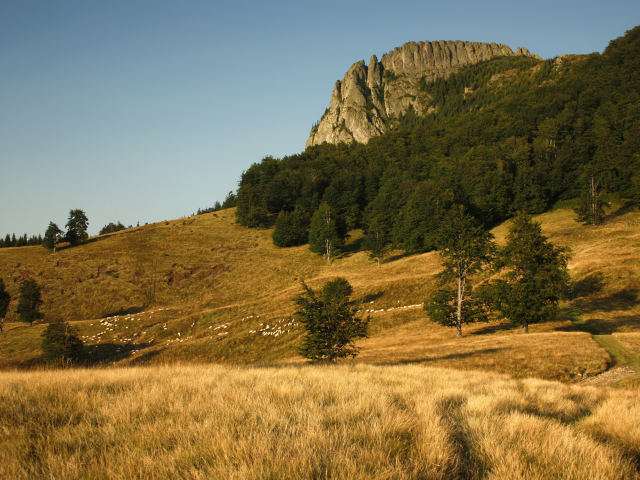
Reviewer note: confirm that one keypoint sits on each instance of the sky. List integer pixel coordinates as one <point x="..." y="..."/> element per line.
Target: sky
<point x="144" y="111"/>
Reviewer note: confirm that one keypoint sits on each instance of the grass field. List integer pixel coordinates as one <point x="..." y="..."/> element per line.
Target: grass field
<point x="312" y="422"/>
<point x="219" y="292"/>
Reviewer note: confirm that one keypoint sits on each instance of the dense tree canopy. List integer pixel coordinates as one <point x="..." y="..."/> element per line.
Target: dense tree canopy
<point x="528" y="134"/>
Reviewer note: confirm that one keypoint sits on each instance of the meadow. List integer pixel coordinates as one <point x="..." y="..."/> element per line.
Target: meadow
<point x="192" y="369"/>
<point x="312" y="422"/>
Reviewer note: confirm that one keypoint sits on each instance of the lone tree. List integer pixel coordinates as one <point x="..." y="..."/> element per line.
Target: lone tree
<point x="52" y="236"/>
<point x="60" y="342"/>
<point x="376" y="241"/>
<point x="465" y="248"/>
<point x="535" y="276"/>
<point x="332" y="321"/>
<point x="29" y="301"/>
<point x="5" y="299"/>
<point x="327" y="232"/>
<point x="77" y="227"/>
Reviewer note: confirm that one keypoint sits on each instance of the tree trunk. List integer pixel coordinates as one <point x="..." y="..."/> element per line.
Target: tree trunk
<point x="525" y="328"/>
<point x="460" y="297"/>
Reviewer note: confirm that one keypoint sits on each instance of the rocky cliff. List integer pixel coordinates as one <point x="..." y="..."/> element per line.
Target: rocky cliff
<point x="368" y="97"/>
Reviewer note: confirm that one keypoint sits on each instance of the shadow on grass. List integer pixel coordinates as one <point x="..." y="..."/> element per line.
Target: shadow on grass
<point x="452" y="356"/>
<point x="494" y="328"/>
<point x="352" y="247"/>
<point x="625" y="208"/>
<point x="398" y="256"/>
<point x="111" y="352"/>
<point x="123" y="311"/>
<point x="623" y="300"/>
<point x="590" y="285"/>
<point x="372" y="297"/>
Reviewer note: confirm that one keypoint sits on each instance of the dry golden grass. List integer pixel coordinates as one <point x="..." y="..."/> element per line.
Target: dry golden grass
<point x="342" y="422"/>
<point x="217" y="282"/>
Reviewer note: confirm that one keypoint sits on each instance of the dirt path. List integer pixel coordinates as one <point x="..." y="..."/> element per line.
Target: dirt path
<point x="625" y="370"/>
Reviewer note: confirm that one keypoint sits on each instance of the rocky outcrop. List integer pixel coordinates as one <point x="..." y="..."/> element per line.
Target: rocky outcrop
<point x="369" y="97"/>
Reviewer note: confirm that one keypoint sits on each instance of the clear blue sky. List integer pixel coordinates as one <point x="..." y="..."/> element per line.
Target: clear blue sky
<point x="148" y="110"/>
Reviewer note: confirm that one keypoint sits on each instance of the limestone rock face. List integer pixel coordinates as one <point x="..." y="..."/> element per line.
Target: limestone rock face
<point x="370" y="96"/>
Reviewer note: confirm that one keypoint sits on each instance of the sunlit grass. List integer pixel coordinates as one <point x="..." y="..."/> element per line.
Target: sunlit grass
<point x="350" y="422"/>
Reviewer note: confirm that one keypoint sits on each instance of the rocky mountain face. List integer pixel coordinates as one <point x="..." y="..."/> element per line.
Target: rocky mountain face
<point x="368" y="98"/>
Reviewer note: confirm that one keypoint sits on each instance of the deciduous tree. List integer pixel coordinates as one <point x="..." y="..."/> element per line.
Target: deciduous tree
<point x="535" y="277"/>
<point x="331" y="320"/>
<point x="465" y="248"/>
<point x="60" y="342"/>
<point x="376" y="241"/>
<point x="327" y="233"/>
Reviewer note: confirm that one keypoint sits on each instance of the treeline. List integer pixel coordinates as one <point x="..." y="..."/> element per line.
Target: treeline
<point x="555" y="129"/>
<point x="229" y="202"/>
<point x="24" y="241"/>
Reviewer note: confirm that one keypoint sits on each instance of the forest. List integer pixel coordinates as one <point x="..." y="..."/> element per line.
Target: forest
<point x="509" y="135"/>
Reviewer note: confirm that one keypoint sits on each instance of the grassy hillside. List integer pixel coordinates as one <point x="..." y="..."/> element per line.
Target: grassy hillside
<point x="393" y="422"/>
<point x="222" y="292"/>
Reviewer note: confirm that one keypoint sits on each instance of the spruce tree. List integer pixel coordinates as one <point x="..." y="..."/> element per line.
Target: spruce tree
<point x="29" y="301"/>
<point x="535" y="276"/>
<point x="52" y="236"/>
<point x="77" y="227"/>
<point x="5" y="299"/>
<point x="331" y="320"/>
<point x="465" y="248"/>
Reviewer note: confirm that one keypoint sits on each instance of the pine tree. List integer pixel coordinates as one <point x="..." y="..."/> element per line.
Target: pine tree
<point x="331" y="320"/>
<point x="77" y="227"/>
<point x="465" y="248"/>
<point x="327" y="232"/>
<point x="536" y="275"/>
<point x="52" y="236"/>
<point x="29" y="301"/>
<point x="5" y="299"/>
<point x="60" y="342"/>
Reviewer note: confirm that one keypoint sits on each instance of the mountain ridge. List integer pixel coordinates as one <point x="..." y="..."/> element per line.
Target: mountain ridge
<point x="369" y="97"/>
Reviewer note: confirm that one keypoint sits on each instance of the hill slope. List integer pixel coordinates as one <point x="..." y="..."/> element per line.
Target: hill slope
<point x="222" y="292"/>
